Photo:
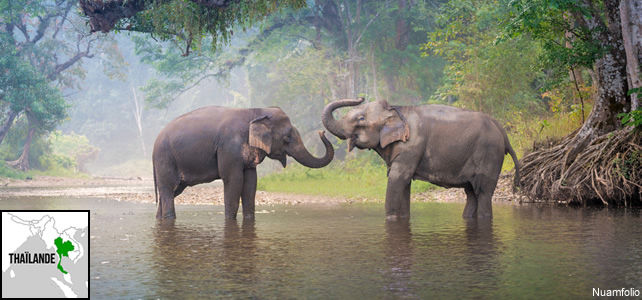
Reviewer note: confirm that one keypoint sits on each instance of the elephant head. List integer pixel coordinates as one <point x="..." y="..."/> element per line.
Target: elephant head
<point x="368" y="125"/>
<point x="274" y="134"/>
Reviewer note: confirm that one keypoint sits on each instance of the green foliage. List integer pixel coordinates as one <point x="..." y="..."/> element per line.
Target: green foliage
<point x="176" y="73"/>
<point x="633" y="118"/>
<point x="12" y="146"/>
<point x="26" y="89"/>
<point x="483" y="75"/>
<point x="188" y="24"/>
<point x="53" y="155"/>
<point x="42" y="44"/>
<point x="355" y="178"/>
<point x="299" y="59"/>
<point x="57" y="165"/>
<point x="547" y="21"/>
<point x="527" y="132"/>
<point x="72" y="150"/>
<point x="8" y="172"/>
<point x="628" y="165"/>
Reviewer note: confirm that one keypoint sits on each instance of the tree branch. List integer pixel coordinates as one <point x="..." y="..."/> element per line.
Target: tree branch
<point x="364" y="29"/>
<point x="64" y="18"/>
<point x="23" y="29"/>
<point x="59" y="68"/>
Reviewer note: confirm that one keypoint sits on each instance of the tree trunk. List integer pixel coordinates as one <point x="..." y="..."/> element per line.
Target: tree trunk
<point x="610" y="78"/>
<point x="591" y="163"/>
<point x="631" y="15"/>
<point x="137" y="110"/>
<point x="374" y="72"/>
<point x="389" y="78"/>
<point x="402" y="31"/>
<point x="575" y="73"/>
<point x="22" y="163"/>
<point x="7" y="124"/>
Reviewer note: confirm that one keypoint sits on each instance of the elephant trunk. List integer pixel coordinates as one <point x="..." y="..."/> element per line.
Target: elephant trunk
<point x="303" y="156"/>
<point x="330" y="122"/>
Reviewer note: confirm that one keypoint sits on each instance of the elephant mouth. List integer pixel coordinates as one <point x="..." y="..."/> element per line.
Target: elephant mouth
<point x="284" y="160"/>
<point x="352" y="142"/>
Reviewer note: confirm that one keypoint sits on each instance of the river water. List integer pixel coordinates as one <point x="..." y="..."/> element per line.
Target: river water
<point x="349" y="251"/>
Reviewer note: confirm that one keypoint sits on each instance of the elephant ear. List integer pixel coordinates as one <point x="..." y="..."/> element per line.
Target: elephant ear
<point x="261" y="134"/>
<point x="395" y="127"/>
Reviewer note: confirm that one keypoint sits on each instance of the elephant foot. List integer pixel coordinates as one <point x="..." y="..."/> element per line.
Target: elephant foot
<point x="166" y="216"/>
<point x="466" y="215"/>
<point x="248" y="217"/>
<point x="230" y="217"/>
<point x="396" y="217"/>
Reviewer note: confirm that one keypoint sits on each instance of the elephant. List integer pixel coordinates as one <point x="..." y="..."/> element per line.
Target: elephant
<point x="447" y="146"/>
<point x="225" y="143"/>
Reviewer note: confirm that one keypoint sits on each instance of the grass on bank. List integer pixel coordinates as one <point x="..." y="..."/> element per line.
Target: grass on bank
<point x="9" y="172"/>
<point x="360" y="177"/>
<point x="525" y="134"/>
<point x="365" y="175"/>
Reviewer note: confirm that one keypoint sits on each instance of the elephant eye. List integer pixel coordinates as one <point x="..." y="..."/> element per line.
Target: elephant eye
<point x="361" y="119"/>
<point x="287" y="138"/>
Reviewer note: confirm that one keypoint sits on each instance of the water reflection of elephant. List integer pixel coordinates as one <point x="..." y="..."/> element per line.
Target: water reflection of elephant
<point x="205" y="259"/>
<point x="481" y="254"/>
<point x="399" y="255"/>
<point x="239" y="257"/>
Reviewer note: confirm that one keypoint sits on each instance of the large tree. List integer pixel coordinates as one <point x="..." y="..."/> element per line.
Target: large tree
<point x="382" y="38"/>
<point x="47" y="41"/>
<point x="602" y="159"/>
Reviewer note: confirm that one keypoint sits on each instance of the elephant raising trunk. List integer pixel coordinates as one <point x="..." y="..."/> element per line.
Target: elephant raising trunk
<point x="301" y="154"/>
<point x="330" y="122"/>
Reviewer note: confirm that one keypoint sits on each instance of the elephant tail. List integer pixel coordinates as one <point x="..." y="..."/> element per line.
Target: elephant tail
<point x="155" y="185"/>
<point x="509" y="150"/>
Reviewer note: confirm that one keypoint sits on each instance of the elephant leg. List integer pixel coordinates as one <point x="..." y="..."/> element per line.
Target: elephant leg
<point x="248" y="193"/>
<point x="405" y="200"/>
<point x="166" y="208"/>
<point x="398" y="192"/>
<point x="470" y="210"/>
<point x="485" y="199"/>
<point x="232" y="188"/>
<point x="168" y="183"/>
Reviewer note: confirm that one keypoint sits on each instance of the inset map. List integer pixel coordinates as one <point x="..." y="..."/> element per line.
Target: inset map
<point x="45" y="254"/>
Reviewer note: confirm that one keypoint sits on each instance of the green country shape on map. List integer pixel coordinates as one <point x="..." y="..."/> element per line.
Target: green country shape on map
<point x="63" y="250"/>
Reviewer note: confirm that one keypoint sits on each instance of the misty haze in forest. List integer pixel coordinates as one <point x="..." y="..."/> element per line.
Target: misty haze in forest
<point x="96" y="101"/>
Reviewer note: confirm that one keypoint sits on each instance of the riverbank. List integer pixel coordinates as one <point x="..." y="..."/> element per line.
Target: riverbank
<point x="141" y="190"/>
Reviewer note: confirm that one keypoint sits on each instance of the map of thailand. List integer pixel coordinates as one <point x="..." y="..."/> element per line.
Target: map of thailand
<point x="63" y="250"/>
<point x="45" y="254"/>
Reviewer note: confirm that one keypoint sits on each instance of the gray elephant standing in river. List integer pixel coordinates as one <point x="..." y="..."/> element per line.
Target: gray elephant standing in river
<point x="447" y="146"/>
<point x="225" y="143"/>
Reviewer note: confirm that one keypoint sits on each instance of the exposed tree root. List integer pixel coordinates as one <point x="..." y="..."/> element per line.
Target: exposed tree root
<point x="608" y="171"/>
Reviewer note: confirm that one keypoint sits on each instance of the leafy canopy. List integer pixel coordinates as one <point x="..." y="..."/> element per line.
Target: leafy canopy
<point x="22" y="88"/>
<point x="185" y="22"/>
<point x="568" y="42"/>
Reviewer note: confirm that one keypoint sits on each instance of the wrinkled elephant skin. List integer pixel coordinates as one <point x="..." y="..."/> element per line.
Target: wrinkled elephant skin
<point x="447" y="146"/>
<point x="225" y="143"/>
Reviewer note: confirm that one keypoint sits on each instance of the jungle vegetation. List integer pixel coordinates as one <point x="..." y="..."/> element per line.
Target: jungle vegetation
<point x="562" y="76"/>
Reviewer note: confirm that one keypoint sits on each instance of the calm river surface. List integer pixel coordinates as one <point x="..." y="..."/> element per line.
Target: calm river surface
<point x="350" y="251"/>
